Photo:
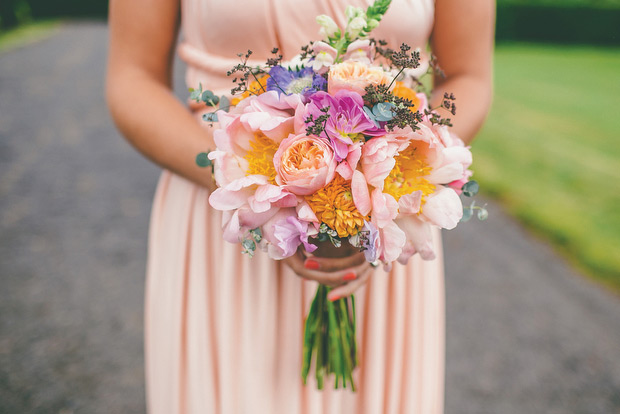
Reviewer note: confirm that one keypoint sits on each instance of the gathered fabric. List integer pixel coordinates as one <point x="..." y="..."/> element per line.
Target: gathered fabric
<point x="224" y="332"/>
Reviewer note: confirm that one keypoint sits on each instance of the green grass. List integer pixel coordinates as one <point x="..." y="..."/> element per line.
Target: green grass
<point x="550" y="150"/>
<point x="26" y="33"/>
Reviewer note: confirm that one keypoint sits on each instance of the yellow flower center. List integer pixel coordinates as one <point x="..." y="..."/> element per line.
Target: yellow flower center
<point x="260" y="157"/>
<point x="333" y="205"/>
<point x="408" y="175"/>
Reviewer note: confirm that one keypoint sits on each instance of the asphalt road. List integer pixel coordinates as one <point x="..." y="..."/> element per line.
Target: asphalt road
<point x="525" y="332"/>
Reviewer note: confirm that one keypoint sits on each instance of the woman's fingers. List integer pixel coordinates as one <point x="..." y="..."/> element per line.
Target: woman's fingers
<point x="335" y="278"/>
<point x="349" y="288"/>
<point x="326" y="264"/>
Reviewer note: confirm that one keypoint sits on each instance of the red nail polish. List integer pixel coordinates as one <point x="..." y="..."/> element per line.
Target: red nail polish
<point x="333" y="298"/>
<point x="349" y="276"/>
<point x="311" y="264"/>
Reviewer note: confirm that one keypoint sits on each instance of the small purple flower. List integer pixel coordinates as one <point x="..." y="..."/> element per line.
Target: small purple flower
<point x="368" y="241"/>
<point x="290" y="234"/>
<point x="347" y="120"/>
<point x="287" y="81"/>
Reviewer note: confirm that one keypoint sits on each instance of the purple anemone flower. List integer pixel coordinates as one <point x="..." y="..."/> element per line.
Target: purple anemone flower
<point x="287" y="81"/>
<point x="347" y="120"/>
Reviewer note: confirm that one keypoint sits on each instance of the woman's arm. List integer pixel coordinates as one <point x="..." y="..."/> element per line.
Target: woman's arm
<point x="462" y="40"/>
<point x="142" y="40"/>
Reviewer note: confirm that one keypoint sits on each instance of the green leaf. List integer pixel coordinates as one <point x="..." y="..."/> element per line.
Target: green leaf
<point x="209" y="98"/>
<point x="203" y="160"/>
<point x="467" y="213"/>
<point x="210" y="117"/>
<point x="224" y="103"/>
<point x="383" y="111"/>
<point x="471" y="188"/>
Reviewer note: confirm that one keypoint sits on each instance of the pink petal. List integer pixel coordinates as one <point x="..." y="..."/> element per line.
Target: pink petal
<point x="384" y="208"/>
<point x="359" y="190"/>
<point x="443" y="208"/>
<point x="392" y="242"/>
<point x="419" y="238"/>
<point x="410" y="203"/>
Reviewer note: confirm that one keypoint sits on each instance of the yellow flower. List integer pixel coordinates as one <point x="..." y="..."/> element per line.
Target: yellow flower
<point x="260" y="157"/>
<point x="256" y="88"/>
<point x="333" y="205"/>
<point x="408" y="174"/>
<point x="402" y="91"/>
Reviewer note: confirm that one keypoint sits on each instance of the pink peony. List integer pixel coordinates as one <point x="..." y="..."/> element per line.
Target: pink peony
<point x="245" y="176"/>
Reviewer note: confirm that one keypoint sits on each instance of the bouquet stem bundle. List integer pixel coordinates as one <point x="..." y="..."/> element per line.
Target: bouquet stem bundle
<point x="329" y="335"/>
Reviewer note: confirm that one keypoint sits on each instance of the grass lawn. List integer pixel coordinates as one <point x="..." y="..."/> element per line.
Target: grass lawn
<point x="26" y="33"/>
<point x="550" y="151"/>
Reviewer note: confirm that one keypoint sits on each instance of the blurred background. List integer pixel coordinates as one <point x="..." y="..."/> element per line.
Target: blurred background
<point x="533" y="293"/>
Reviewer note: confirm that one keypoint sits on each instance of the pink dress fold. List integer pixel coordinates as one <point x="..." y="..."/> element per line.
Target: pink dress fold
<point x="224" y="331"/>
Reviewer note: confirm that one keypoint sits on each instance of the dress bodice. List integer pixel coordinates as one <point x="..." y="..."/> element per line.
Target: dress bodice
<point x="215" y="31"/>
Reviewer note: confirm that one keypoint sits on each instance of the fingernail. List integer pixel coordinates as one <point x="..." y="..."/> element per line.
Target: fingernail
<point x="311" y="264"/>
<point x="333" y="298"/>
<point x="349" y="276"/>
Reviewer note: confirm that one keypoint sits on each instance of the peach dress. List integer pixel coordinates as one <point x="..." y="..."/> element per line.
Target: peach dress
<point x="223" y="331"/>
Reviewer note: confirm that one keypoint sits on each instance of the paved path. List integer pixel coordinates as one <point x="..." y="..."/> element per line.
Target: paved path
<point x="526" y="334"/>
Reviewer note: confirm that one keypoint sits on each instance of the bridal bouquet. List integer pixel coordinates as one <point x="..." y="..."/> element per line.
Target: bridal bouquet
<point x="337" y="147"/>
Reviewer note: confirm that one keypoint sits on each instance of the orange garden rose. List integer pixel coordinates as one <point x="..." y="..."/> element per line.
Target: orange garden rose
<point x="355" y="76"/>
<point x="304" y="164"/>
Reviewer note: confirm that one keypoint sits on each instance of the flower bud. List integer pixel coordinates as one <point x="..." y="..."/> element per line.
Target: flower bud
<point x="328" y="26"/>
<point x="353" y="12"/>
<point x="371" y="24"/>
<point x="355" y="26"/>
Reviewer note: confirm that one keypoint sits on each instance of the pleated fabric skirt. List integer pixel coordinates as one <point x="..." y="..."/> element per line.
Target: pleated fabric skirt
<point x="224" y="331"/>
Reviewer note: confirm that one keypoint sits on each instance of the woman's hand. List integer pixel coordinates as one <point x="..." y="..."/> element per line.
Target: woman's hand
<point x="345" y="274"/>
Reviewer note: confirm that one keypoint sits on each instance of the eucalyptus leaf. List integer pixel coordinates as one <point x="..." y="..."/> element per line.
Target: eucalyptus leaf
<point x="483" y="214"/>
<point x="203" y="160"/>
<point x="471" y="188"/>
<point x="209" y="98"/>
<point x="210" y="117"/>
<point x="383" y="111"/>
<point x="371" y="116"/>
<point x="467" y="213"/>
<point x="224" y="103"/>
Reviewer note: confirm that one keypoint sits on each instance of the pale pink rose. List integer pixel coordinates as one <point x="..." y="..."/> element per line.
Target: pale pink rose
<point x="304" y="164"/>
<point x="360" y="51"/>
<point x="355" y="76"/>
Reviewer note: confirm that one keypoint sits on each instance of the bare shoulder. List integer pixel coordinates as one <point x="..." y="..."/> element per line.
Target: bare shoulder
<point x="142" y="34"/>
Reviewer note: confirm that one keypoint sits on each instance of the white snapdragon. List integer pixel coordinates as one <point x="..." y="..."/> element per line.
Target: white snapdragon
<point x="329" y="28"/>
<point x="356" y="21"/>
